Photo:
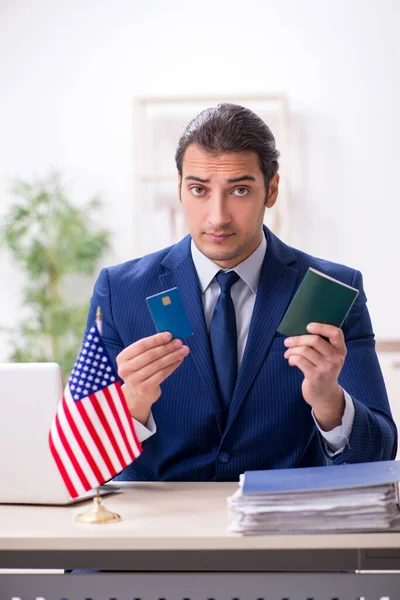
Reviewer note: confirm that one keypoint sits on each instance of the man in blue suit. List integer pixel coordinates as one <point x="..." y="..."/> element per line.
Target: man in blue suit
<point x="237" y="395"/>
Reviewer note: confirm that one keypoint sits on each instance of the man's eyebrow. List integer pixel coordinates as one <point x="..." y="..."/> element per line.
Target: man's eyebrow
<point x="194" y="178"/>
<point x="241" y="178"/>
<point x="231" y="180"/>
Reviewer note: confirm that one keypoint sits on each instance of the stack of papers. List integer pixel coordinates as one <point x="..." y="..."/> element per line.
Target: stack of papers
<point x="351" y="497"/>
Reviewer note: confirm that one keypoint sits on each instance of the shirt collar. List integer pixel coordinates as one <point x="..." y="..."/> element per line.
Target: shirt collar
<point x="249" y="270"/>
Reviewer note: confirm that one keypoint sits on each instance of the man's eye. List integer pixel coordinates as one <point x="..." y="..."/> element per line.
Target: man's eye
<point x="197" y="190"/>
<point x="241" y="191"/>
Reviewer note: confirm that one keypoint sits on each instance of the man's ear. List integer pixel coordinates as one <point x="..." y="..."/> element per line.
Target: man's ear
<point x="179" y="187"/>
<point x="273" y="190"/>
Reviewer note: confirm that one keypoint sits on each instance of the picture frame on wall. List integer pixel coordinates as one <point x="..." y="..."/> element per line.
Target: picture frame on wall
<point x="158" y="126"/>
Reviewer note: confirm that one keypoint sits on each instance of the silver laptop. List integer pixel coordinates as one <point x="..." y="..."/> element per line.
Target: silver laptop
<point x="29" y="396"/>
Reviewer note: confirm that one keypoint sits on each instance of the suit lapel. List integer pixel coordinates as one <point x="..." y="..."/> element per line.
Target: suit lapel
<point x="182" y="274"/>
<point x="274" y="292"/>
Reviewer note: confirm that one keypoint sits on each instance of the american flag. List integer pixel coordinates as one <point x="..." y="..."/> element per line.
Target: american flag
<point x="92" y="437"/>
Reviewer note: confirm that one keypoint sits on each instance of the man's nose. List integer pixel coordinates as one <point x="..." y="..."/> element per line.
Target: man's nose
<point x="218" y="214"/>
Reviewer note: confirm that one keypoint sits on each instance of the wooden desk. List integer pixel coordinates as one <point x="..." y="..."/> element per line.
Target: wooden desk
<point x="180" y="527"/>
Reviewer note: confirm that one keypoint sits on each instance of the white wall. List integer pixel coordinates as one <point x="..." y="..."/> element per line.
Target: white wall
<point x="69" y="71"/>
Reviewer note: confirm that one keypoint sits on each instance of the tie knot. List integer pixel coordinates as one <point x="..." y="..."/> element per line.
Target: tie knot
<point x="226" y="280"/>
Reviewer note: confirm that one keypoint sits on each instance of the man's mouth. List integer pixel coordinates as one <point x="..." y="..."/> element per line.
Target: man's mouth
<point x="219" y="237"/>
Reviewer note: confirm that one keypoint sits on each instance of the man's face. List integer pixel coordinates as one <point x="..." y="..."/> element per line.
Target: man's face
<point x="224" y="199"/>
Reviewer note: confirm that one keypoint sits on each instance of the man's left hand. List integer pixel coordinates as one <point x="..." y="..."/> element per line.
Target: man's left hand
<point x="321" y="362"/>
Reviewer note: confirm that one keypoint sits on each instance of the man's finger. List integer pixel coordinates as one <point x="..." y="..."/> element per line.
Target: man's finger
<point x="144" y="344"/>
<point x="319" y="344"/>
<point x="307" y="368"/>
<point x="152" y="355"/>
<point x="334" y="334"/>
<point x="310" y="354"/>
<point x="138" y="376"/>
<point x="160" y="376"/>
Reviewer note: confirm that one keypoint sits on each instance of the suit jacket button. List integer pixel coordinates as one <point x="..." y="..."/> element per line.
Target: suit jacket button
<point x="224" y="457"/>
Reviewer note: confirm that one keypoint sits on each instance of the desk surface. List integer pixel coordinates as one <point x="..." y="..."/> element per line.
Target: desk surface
<point x="161" y="520"/>
<point x="159" y="516"/>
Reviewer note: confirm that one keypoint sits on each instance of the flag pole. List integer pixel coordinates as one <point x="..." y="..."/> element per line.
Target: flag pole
<point x="98" y="513"/>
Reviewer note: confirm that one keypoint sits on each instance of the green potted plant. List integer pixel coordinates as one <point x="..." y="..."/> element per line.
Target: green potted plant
<point x="55" y="243"/>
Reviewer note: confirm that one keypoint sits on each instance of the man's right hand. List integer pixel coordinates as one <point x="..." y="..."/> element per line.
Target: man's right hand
<point x="143" y="366"/>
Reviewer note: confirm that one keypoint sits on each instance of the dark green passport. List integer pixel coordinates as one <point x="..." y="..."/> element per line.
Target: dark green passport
<point x="319" y="299"/>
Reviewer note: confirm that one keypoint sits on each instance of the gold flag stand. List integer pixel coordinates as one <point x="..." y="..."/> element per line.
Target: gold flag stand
<point x="97" y="513"/>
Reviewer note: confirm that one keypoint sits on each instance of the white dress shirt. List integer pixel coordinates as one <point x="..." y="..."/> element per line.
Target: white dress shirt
<point x="243" y="294"/>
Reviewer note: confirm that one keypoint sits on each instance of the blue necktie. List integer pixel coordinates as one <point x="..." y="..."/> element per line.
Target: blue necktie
<point x="223" y="338"/>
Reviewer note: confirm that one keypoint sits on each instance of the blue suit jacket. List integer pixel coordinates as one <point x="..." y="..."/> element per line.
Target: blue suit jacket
<point x="269" y="424"/>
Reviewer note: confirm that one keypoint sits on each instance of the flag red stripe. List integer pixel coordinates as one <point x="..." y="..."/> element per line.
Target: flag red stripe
<point x="71" y="455"/>
<point x="107" y="428"/>
<point x="68" y="483"/>
<point x="82" y="444"/>
<point x="96" y="439"/>
<point x="111" y="404"/>
<point x="128" y="415"/>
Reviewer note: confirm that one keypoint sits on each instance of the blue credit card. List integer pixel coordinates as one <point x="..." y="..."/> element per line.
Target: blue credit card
<point x="169" y="314"/>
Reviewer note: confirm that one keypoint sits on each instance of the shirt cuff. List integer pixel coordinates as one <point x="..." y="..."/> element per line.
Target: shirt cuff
<point x="145" y="431"/>
<point x="337" y="439"/>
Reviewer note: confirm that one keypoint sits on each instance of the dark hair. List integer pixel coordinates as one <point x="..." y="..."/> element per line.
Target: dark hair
<point x="231" y="128"/>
